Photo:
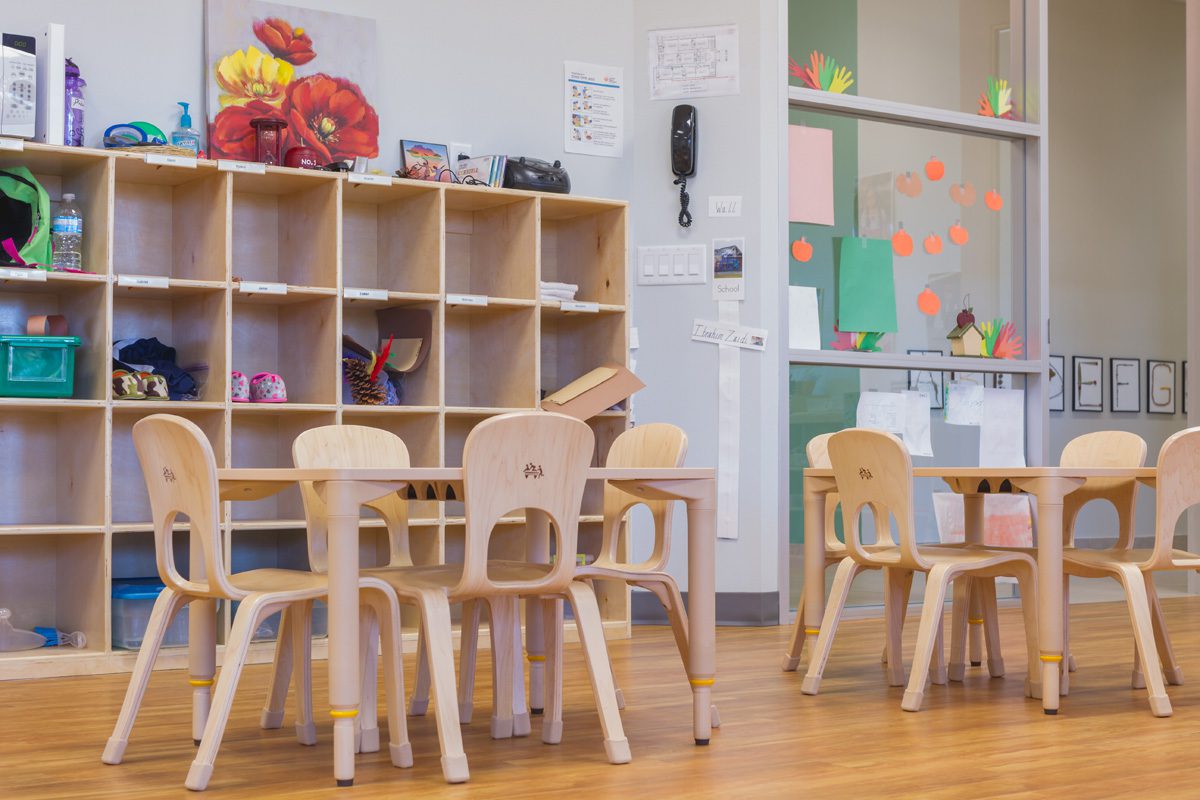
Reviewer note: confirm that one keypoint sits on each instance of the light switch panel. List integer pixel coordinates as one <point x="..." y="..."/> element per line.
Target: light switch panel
<point x="671" y="264"/>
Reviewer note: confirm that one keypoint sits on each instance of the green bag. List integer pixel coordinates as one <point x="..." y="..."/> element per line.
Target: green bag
<point x="24" y="219"/>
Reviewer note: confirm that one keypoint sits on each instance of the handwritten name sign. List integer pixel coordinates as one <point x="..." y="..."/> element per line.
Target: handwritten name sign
<point x="704" y="330"/>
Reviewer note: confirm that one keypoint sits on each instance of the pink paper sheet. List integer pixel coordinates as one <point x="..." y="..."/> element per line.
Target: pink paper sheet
<point x="810" y="175"/>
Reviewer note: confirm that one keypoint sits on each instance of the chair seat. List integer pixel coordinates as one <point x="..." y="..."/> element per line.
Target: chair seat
<point x="310" y="584"/>
<point x="1099" y="559"/>
<point x="974" y="557"/>
<point x="447" y="576"/>
<point x="630" y="573"/>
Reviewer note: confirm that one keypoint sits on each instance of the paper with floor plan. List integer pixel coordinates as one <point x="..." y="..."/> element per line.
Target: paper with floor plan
<point x="1002" y="428"/>
<point x="694" y="62"/>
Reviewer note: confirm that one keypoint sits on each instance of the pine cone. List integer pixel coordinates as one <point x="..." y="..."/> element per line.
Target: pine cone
<point x="363" y="390"/>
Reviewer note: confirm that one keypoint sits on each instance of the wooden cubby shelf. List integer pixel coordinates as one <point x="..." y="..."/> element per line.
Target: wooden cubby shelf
<point x="266" y="273"/>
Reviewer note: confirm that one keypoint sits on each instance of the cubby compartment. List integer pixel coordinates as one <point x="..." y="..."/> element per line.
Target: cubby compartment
<point x="56" y="581"/>
<point x="192" y="322"/>
<point x="392" y="238"/>
<point x="490" y="357"/>
<point x="79" y="298"/>
<point x="575" y="344"/>
<point x="296" y="340"/>
<point x="365" y="323"/>
<point x="421" y="434"/>
<point x="583" y="243"/>
<point x="130" y="502"/>
<point x="285" y="228"/>
<point x="265" y="440"/>
<point x="57" y="475"/>
<point x="86" y="175"/>
<point x="491" y="244"/>
<point x="170" y="222"/>
<point x="606" y="430"/>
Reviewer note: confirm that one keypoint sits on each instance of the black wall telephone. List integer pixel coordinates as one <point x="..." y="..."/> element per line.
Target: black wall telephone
<point x="683" y="155"/>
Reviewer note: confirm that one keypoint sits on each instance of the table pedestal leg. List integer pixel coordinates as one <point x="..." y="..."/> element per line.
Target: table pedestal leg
<point x="814" y="571"/>
<point x="344" y="690"/>
<point x="537" y="546"/>
<point x="702" y="609"/>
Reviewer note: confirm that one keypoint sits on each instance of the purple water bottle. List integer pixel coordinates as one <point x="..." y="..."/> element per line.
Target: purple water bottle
<point x="73" y="118"/>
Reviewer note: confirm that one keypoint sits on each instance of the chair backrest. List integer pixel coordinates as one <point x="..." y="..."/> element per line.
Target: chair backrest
<point x="1104" y="449"/>
<point x="524" y="460"/>
<point x="1177" y="489"/>
<point x="345" y="447"/>
<point x="181" y="477"/>
<point x="817" y="451"/>
<point x="873" y="469"/>
<point x="657" y="444"/>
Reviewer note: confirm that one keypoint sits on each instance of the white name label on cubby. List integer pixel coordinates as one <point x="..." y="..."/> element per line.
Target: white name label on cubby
<point x="246" y="287"/>
<point x="162" y="159"/>
<point x="584" y="308"/>
<point x="364" y="294"/>
<point x="23" y="274"/>
<point x="376" y="180"/>
<point x="144" y="281"/>
<point x="7" y="143"/>
<point x="252" y="167"/>
<point x="466" y="299"/>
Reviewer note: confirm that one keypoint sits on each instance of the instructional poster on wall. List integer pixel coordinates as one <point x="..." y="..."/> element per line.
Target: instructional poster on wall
<point x="595" y="110"/>
<point x="694" y="62"/>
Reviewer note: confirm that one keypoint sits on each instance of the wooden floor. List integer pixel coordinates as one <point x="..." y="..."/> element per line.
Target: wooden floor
<point x="980" y="739"/>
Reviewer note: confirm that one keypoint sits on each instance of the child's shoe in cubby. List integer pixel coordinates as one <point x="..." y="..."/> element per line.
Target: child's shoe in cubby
<point x="267" y="387"/>
<point x="126" y="386"/>
<point x="239" y="391"/>
<point x="152" y="386"/>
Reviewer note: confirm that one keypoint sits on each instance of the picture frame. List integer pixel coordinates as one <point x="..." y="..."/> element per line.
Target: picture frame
<point x="1087" y="380"/>
<point x="1058" y="383"/>
<point x="932" y="383"/>
<point x="1124" y="385"/>
<point x="1161" y="386"/>
<point x="425" y="161"/>
<point x="1002" y="380"/>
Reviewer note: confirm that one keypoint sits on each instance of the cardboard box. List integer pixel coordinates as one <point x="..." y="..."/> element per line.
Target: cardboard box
<point x="599" y="390"/>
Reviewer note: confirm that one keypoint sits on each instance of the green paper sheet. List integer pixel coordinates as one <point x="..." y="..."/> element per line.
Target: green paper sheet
<point x="866" y="299"/>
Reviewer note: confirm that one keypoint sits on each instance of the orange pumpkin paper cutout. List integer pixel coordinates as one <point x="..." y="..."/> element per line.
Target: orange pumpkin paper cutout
<point x="963" y="194"/>
<point x="933" y="244"/>
<point x="993" y="200"/>
<point x="928" y="303"/>
<point x="959" y="234"/>
<point x="934" y="169"/>
<point x="908" y="184"/>
<point x="902" y="243"/>
<point x="802" y="251"/>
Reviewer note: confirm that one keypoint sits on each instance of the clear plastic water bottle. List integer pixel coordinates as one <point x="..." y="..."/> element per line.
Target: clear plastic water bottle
<point x="67" y="234"/>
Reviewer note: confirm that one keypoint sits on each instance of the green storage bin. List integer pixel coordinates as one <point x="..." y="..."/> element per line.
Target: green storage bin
<point x="37" y="366"/>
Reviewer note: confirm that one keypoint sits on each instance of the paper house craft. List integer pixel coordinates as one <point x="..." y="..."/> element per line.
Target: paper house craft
<point x="966" y="340"/>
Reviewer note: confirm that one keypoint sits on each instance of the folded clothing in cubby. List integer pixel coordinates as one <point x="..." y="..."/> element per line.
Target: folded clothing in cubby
<point x="151" y="355"/>
<point x="552" y="290"/>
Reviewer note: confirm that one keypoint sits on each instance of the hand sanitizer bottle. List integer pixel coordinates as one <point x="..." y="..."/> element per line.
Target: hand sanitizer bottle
<point x="185" y="135"/>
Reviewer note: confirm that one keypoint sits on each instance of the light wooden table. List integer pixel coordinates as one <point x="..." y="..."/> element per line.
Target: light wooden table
<point x="1049" y="485"/>
<point x="346" y="490"/>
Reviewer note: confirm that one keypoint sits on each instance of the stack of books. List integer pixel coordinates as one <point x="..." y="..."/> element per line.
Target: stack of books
<point x="487" y="170"/>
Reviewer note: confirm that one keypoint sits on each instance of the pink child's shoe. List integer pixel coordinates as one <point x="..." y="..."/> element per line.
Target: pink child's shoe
<point x="267" y="387"/>
<point x="239" y="391"/>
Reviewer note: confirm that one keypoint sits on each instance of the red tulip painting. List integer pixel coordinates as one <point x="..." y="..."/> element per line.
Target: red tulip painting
<point x="315" y="70"/>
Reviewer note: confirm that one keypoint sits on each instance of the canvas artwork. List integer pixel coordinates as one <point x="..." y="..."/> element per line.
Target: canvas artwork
<point x="425" y="161"/>
<point x="314" y="70"/>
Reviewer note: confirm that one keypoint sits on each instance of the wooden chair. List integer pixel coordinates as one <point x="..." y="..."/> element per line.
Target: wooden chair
<point x="342" y="446"/>
<point x="532" y="461"/>
<point x="1177" y="489"/>
<point x="180" y="472"/>
<point x="873" y="468"/>
<point x="897" y="587"/>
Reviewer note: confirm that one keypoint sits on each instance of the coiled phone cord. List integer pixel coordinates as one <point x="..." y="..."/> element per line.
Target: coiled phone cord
<point x="685" y="216"/>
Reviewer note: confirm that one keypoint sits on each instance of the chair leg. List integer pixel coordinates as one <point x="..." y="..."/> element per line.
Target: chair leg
<point x="595" y="651"/>
<point x="1068" y="666"/>
<point x="281" y="675"/>
<point x="895" y="607"/>
<point x="252" y="611"/>
<point x="165" y="608"/>
<point x="986" y="588"/>
<point x="1143" y="632"/>
<point x="932" y="612"/>
<point x="958" y="628"/>
<point x="975" y="629"/>
<point x="306" y="729"/>
<point x="468" y="654"/>
<point x="655" y="589"/>
<point x="1027" y="586"/>
<point x="387" y="612"/>
<point x="435" y="625"/>
<point x="937" y="664"/>
<point x="791" y="656"/>
<point x="502" y="663"/>
<point x="418" y="706"/>
<point x="847" y="569"/>
<point x="667" y="592"/>
<point x="367" y="722"/>
<point x="552" y="624"/>
<point x="1162" y="639"/>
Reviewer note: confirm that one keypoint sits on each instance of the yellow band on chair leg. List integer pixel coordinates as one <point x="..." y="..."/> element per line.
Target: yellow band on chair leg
<point x="1051" y="659"/>
<point x="200" y="684"/>
<point x="975" y="621"/>
<point x="349" y="713"/>
<point x="535" y="658"/>
<point x="702" y="681"/>
<point x="812" y="631"/>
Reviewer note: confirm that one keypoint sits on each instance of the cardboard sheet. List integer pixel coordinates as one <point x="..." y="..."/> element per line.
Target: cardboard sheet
<point x="810" y="175"/>
<point x="582" y="384"/>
